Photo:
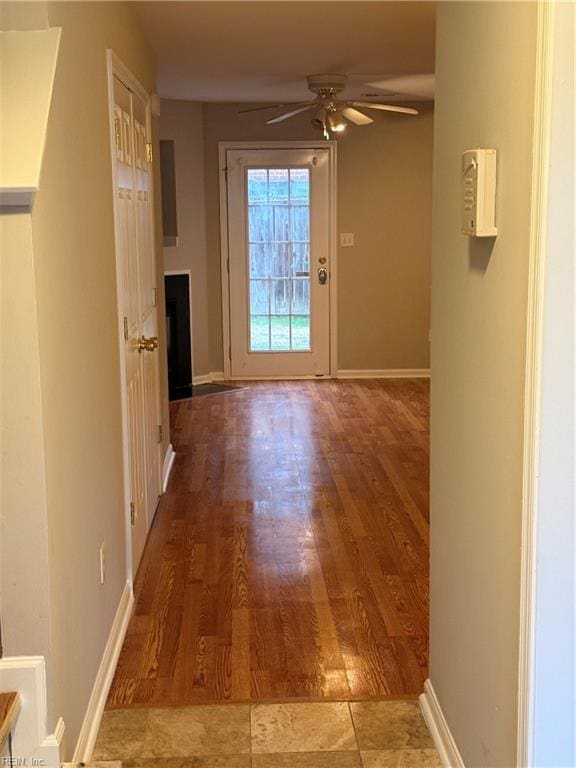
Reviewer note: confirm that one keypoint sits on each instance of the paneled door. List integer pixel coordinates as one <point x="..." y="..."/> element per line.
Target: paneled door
<point x="278" y="206"/>
<point x="136" y="275"/>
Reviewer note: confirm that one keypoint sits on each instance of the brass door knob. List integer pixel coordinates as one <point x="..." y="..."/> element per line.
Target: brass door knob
<point x="148" y="345"/>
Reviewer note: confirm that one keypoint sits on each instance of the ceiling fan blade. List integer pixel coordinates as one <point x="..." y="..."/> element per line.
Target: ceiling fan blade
<point x="271" y="106"/>
<point x="419" y="86"/>
<point x="292" y="113"/>
<point x="384" y="107"/>
<point x="356" y="117"/>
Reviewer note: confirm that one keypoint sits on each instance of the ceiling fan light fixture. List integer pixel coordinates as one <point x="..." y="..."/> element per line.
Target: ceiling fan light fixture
<point x="319" y="119"/>
<point x="336" y="122"/>
<point x="331" y="114"/>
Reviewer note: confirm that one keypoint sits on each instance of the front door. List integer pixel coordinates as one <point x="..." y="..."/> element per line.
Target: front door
<point x="278" y="261"/>
<point x="137" y="281"/>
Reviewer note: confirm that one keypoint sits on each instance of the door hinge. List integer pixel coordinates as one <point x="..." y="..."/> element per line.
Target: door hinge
<point x="154" y="296"/>
<point x="226" y="174"/>
<point x="132" y="514"/>
<point x="230" y="353"/>
<point x="149" y="154"/>
<point x="228" y="265"/>
<point x="160" y="433"/>
<point x="126" y="334"/>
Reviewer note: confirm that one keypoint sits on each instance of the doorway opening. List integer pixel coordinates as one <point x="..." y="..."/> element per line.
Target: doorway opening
<point x="178" y="334"/>
<point x="278" y="259"/>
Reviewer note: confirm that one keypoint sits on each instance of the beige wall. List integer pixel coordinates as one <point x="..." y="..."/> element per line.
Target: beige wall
<point x="182" y="121"/>
<point x="75" y="328"/>
<point x="384" y="197"/>
<point x="24" y="556"/>
<point x="485" y="91"/>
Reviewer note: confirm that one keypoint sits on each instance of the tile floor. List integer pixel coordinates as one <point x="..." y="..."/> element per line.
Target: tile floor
<point x="363" y="734"/>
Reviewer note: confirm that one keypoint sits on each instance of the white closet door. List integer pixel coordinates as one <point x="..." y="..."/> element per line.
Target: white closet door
<point x="135" y="255"/>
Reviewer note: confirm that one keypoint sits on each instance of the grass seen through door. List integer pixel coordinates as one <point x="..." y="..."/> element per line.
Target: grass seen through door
<point x="273" y="333"/>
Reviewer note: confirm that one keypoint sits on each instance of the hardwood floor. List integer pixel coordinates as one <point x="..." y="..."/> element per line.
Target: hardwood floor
<point x="289" y="557"/>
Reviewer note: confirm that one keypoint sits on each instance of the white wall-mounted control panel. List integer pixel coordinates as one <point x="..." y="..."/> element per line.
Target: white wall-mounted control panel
<point x="479" y="193"/>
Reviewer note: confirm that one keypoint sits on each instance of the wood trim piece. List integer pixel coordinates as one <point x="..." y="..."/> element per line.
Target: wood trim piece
<point x="30" y="739"/>
<point x="167" y="466"/>
<point x="123" y="73"/>
<point x="208" y="378"/>
<point x="441" y="735"/>
<point x="385" y="373"/>
<point x="10" y="704"/>
<point x="536" y="263"/>
<point x="225" y="286"/>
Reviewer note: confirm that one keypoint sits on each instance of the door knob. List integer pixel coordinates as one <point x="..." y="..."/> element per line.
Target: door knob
<point x="148" y="345"/>
<point x="322" y="275"/>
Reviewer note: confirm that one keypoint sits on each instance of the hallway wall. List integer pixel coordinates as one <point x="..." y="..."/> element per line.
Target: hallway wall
<point x="485" y="98"/>
<point x="384" y="197"/>
<point x="183" y="122"/>
<point x="71" y="284"/>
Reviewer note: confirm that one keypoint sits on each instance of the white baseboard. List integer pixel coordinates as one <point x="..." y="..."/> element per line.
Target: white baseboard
<point x="167" y="466"/>
<point x="385" y="373"/>
<point x="30" y="738"/>
<point x="439" y="730"/>
<point x="208" y="378"/>
<point x="104" y="677"/>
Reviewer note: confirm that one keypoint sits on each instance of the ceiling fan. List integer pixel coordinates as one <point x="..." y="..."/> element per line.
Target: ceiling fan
<point x="331" y="114"/>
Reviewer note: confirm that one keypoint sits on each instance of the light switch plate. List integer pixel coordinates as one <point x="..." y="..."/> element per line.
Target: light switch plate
<point x="347" y="239"/>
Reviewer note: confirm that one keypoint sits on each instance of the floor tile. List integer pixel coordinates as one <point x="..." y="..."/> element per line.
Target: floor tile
<point x="387" y="725"/>
<point x="401" y="758"/>
<point x="207" y="730"/>
<point x="126" y="734"/>
<point x="308" y="760"/>
<point x="306" y="727"/>
<point x="122" y="733"/>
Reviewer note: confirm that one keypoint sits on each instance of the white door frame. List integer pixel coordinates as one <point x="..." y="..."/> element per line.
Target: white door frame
<point x="116" y="67"/>
<point x="223" y="147"/>
<point x="533" y="561"/>
<point x="188" y="273"/>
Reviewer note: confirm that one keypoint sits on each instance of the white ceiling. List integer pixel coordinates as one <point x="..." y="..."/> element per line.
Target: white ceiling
<point x="262" y="51"/>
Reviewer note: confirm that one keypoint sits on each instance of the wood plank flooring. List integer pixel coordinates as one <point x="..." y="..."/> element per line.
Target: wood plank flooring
<point x="10" y="704"/>
<point x="289" y="557"/>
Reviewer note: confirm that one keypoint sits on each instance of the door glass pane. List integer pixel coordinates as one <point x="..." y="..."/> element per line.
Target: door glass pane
<point x="280" y="332"/>
<point x="281" y="223"/>
<point x="259" y="260"/>
<point x="301" y="296"/>
<point x="282" y="258"/>
<point x="300" y="331"/>
<point x="260" y="333"/>
<point x="278" y="185"/>
<point x="259" y="223"/>
<point x="280" y="304"/>
<point x="279" y="258"/>
<point x="260" y="296"/>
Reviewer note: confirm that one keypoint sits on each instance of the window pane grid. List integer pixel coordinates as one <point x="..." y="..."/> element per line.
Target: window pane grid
<point x="279" y="258"/>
